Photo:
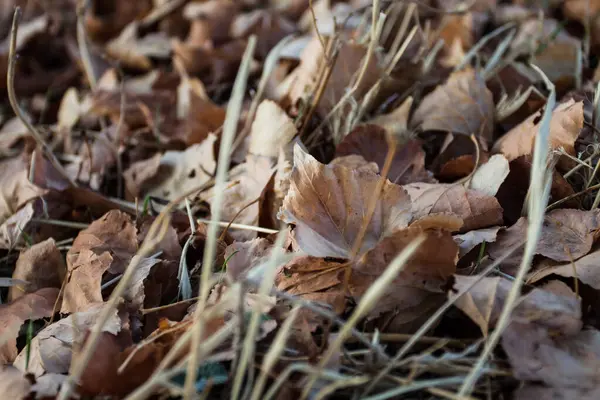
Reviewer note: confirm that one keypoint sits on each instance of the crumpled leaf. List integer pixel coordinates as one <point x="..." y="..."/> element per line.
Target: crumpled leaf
<point x="107" y="245"/>
<point x="327" y="205"/>
<point x="565" y="125"/>
<point x="483" y="303"/>
<point x="42" y="266"/>
<point x="178" y="171"/>
<point x="369" y="141"/>
<point x="586" y="269"/>
<point x="11" y="230"/>
<point x="31" y="306"/>
<point x="462" y="105"/>
<point x="566" y="235"/>
<point x="51" y="349"/>
<point x="423" y="278"/>
<point x="16" y="188"/>
<point x="477" y="209"/>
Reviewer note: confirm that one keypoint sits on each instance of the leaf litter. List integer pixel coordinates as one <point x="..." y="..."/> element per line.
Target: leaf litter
<point x="208" y="198"/>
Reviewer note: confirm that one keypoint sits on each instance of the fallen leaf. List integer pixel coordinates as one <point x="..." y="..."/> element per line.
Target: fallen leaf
<point x="355" y="162"/>
<point x="84" y="282"/>
<point x="52" y="348"/>
<point x="269" y="27"/>
<point x="16" y="188"/>
<point x="327" y="205"/>
<point x="425" y="274"/>
<point x="11" y="230"/>
<point x="242" y="256"/>
<point x="139" y="173"/>
<point x="114" y="233"/>
<point x="179" y="171"/>
<point x="48" y="385"/>
<point x="585" y="269"/>
<point x="489" y="177"/>
<point x="565" y="125"/>
<point x="30" y="306"/>
<point x="271" y="130"/>
<point x="477" y="209"/>
<point x="369" y="141"/>
<point x="304" y="78"/>
<point x="42" y="266"/>
<point x="566" y="235"/>
<point x="136" y="52"/>
<point x="395" y="122"/>
<point x="251" y="179"/>
<point x="484" y="301"/>
<point x="13" y="383"/>
<point x="462" y="105"/>
<point x="468" y="241"/>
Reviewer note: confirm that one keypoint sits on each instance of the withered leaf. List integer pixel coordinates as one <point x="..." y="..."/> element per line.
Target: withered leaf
<point x="566" y="235"/>
<point x="483" y="303"/>
<point x="565" y="125"/>
<point x="51" y="349"/>
<point x="42" y="265"/>
<point x="13" y="383"/>
<point x="369" y="141"/>
<point x="489" y="176"/>
<point x="16" y="188"/>
<point x="272" y="129"/>
<point x="328" y="203"/>
<point x="30" y="306"/>
<point x="462" y="105"/>
<point x="469" y="240"/>
<point x="425" y="274"/>
<point x="242" y="256"/>
<point x="477" y="209"/>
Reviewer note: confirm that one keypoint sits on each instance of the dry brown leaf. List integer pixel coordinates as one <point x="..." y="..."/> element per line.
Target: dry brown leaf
<point x="251" y="179"/>
<point x="139" y="173"/>
<point x="304" y="78"/>
<point x="11" y="230"/>
<point x="180" y="171"/>
<point x="468" y="241"/>
<point x="137" y="52"/>
<point x="369" y="141"/>
<point x="314" y="279"/>
<point x="566" y="235"/>
<point x="272" y="129"/>
<point x="586" y="269"/>
<point x="115" y="233"/>
<point x="477" y="209"/>
<point x="483" y="303"/>
<point x="84" y="282"/>
<point x="42" y="266"/>
<point x="16" y="188"/>
<point x="395" y="122"/>
<point x="268" y="26"/>
<point x="327" y="205"/>
<point x="356" y="162"/>
<point x="489" y="177"/>
<point x="242" y="256"/>
<point x="549" y="347"/>
<point x="51" y="349"/>
<point x="424" y="276"/>
<point x="30" y="306"/>
<point x="462" y="105"/>
<point x="565" y="125"/>
<point x="13" y="383"/>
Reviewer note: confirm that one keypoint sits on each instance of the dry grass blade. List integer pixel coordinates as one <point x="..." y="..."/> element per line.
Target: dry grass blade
<point x="274" y="352"/>
<point x="229" y="130"/>
<point x="539" y="191"/>
<point x="369" y="299"/>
